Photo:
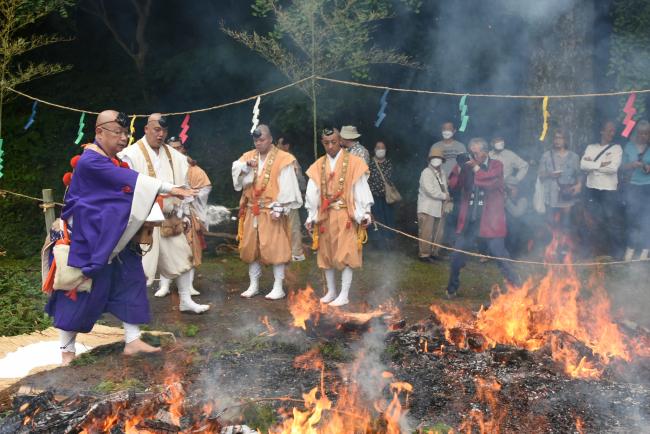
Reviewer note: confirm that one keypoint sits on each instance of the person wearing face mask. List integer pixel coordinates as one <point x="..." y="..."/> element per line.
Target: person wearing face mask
<point x="514" y="167"/>
<point x="450" y="148"/>
<point x="479" y="179"/>
<point x="433" y="195"/>
<point x="381" y="169"/>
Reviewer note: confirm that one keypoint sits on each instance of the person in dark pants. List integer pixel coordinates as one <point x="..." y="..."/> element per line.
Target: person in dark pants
<point x="381" y="169"/>
<point x="479" y="180"/>
<point x="601" y="162"/>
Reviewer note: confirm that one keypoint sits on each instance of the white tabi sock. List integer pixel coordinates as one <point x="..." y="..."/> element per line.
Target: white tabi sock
<point x="629" y="253"/>
<point x="346" y="282"/>
<point x="67" y="341"/>
<point x="131" y="332"/>
<point x="164" y="287"/>
<point x="254" y="273"/>
<point x="278" y="275"/>
<point x="330" y="278"/>
<point x="644" y="254"/>
<point x="193" y="290"/>
<point x="186" y="303"/>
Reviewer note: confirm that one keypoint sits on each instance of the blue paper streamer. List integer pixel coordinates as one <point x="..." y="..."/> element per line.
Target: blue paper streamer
<point x="1" y="154"/>
<point x="31" y="119"/>
<point x="382" y="109"/>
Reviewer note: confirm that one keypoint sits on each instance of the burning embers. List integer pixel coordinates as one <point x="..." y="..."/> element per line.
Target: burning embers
<point x="554" y="314"/>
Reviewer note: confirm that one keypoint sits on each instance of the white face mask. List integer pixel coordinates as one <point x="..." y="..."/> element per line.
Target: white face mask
<point x="380" y="153"/>
<point x="436" y="162"/>
<point x="446" y="134"/>
<point x="499" y="146"/>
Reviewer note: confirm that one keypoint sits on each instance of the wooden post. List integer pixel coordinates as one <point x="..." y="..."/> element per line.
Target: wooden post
<point x="48" y="208"/>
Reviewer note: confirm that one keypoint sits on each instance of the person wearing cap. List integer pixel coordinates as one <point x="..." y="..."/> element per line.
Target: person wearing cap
<point x="170" y="254"/>
<point x="349" y="136"/>
<point x="433" y="197"/>
<point x="270" y="190"/>
<point x="106" y="204"/>
<point x="338" y="202"/>
<point x="197" y="223"/>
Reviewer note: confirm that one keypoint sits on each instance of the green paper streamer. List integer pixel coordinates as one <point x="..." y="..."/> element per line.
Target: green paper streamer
<point x="462" y="106"/>
<point x="80" y="134"/>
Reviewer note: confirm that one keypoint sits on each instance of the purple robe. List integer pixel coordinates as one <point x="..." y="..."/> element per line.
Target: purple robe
<point x="99" y="206"/>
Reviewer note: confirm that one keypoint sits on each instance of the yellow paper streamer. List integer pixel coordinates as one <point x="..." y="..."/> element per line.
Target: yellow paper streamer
<point x="132" y="131"/>
<point x="546" y="116"/>
<point x="314" y="237"/>
<point x="362" y="237"/>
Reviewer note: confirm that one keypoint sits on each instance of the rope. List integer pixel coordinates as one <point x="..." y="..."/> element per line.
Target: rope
<point x="483" y="95"/>
<point x="45" y="205"/>
<point x="516" y="261"/>
<point x="215" y="107"/>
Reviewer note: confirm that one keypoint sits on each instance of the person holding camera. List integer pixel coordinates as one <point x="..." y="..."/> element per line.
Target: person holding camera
<point x="479" y="179"/>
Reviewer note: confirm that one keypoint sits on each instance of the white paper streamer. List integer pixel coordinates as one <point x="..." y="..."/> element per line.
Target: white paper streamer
<point x="256" y="114"/>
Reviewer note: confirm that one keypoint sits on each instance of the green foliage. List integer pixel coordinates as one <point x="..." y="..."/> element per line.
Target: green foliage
<point x="21" y="299"/>
<point x="15" y="16"/>
<point x="629" y="59"/>
<point x="191" y="330"/>
<point x="321" y="37"/>
<point x="334" y="351"/>
<point x="259" y="416"/>
<point x="108" y="386"/>
<point x="438" y="428"/>
<point x="85" y="359"/>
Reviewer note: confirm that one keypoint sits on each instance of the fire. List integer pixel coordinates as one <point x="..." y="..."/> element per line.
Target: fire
<point x="174" y="397"/>
<point x="528" y="316"/>
<point x="270" y="330"/>
<point x="305" y="306"/>
<point x="486" y="393"/>
<point x="310" y="360"/>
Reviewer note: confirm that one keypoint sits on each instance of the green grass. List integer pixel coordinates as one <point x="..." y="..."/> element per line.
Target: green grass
<point x="108" y="386"/>
<point x="21" y="298"/>
<point x="84" y="359"/>
<point x="259" y="416"/>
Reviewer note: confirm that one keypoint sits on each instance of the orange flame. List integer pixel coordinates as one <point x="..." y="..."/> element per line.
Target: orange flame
<point x="524" y="317"/>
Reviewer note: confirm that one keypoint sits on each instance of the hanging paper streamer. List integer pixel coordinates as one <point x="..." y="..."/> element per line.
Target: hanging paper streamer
<point x="80" y="134"/>
<point x="630" y="111"/>
<point x="256" y="114"/>
<point x="1" y="154"/>
<point x="132" y="131"/>
<point x="32" y="117"/>
<point x="185" y="126"/>
<point x="462" y="106"/>
<point x="383" y="103"/>
<point x="546" y="115"/>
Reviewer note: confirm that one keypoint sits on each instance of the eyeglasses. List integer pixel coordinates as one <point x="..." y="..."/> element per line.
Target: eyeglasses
<point x="124" y="133"/>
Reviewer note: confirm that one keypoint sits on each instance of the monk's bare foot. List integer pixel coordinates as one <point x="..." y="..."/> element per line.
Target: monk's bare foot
<point x="139" y="346"/>
<point x="67" y="357"/>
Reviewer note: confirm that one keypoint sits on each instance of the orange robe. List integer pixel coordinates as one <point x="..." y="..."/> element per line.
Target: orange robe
<point x="337" y="229"/>
<point x="264" y="239"/>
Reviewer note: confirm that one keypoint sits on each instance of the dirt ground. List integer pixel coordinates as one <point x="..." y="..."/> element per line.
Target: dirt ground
<point x="233" y="324"/>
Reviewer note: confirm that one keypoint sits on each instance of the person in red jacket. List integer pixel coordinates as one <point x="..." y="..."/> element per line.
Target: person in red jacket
<point x="479" y="179"/>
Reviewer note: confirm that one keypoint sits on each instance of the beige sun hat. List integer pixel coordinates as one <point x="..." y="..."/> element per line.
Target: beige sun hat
<point x="349" y="132"/>
<point x="437" y="153"/>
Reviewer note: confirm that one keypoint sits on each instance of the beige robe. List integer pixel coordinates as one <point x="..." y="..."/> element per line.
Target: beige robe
<point x="169" y="256"/>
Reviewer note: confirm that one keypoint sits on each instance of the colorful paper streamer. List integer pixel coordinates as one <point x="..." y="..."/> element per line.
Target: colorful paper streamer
<point x="546" y="115"/>
<point x="630" y="111"/>
<point x="383" y="103"/>
<point x="132" y="131"/>
<point x="31" y="119"/>
<point x="80" y="133"/>
<point x="464" y="118"/>
<point x="256" y="114"/>
<point x="185" y="126"/>
<point x="1" y="154"/>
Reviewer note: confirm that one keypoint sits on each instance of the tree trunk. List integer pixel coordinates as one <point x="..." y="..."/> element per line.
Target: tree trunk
<point x="562" y="63"/>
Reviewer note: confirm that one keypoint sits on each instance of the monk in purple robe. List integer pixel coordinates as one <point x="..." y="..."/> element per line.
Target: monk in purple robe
<point x="105" y="206"/>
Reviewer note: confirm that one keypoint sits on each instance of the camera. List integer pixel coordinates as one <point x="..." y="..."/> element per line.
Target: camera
<point x="463" y="158"/>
